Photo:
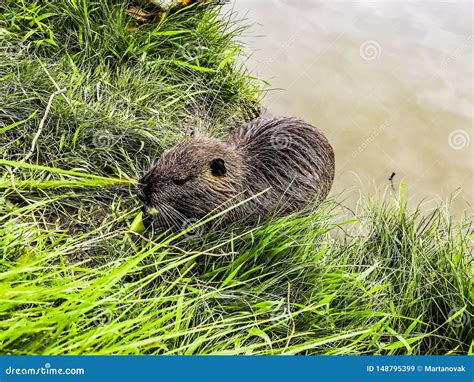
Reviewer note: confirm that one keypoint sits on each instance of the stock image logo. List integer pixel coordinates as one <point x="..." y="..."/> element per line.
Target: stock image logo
<point x="102" y="316"/>
<point x="459" y="139"/>
<point x="191" y="231"/>
<point x="45" y="369"/>
<point x="370" y="50"/>
<point x="280" y="316"/>
<point x="459" y="317"/>
<point x="192" y="52"/>
<point x="280" y="140"/>
<point x="102" y="139"/>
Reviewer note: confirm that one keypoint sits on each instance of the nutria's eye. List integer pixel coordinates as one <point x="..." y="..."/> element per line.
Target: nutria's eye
<point x="218" y="167"/>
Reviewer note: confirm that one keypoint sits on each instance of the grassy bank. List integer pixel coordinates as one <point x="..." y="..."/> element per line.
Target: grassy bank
<point x="74" y="280"/>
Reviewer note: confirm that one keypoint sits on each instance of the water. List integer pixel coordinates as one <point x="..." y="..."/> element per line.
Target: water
<point x="390" y="84"/>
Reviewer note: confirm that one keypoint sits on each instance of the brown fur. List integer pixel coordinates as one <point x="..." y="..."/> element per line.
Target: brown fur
<point x="289" y="158"/>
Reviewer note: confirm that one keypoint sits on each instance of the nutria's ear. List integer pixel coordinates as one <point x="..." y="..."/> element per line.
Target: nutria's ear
<point x="193" y="132"/>
<point x="218" y="167"/>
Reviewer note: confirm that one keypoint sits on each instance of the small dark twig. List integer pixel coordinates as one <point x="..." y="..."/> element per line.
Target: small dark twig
<point x="391" y="181"/>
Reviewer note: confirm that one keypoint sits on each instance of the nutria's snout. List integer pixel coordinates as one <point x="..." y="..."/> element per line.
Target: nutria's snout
<point x="143" y="192"/>
<point x="140" y="193"/>
<point x="146" y="187"/>
<point x="203" y="176"/>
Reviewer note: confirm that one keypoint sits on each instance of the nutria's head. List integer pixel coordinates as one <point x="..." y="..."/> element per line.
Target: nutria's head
<point x="190" y="181"/>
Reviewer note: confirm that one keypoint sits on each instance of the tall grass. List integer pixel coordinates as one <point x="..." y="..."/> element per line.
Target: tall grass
<point x="395" y="283"/>
<point x="75" y="280"/>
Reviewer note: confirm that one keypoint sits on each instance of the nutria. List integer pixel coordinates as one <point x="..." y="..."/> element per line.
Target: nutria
<point x="289" y="158"/>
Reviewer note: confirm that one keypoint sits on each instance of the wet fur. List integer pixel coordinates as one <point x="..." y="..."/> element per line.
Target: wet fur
<point x="287" y="156"/>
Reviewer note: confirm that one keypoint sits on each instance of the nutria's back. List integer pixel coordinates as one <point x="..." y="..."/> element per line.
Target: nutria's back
<point x="287" y="157"/>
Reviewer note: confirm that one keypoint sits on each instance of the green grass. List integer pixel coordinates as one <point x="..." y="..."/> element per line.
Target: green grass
<point x="74" y="280"/>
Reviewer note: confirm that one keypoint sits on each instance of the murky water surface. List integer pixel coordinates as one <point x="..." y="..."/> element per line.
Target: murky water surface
<point x="390" y="83"/>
